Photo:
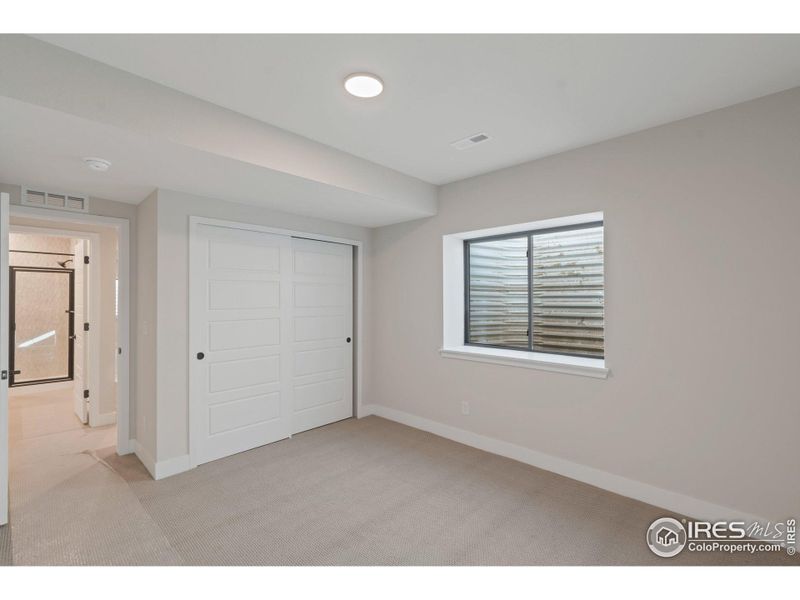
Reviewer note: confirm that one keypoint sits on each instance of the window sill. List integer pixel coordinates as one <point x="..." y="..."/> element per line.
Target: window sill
<point x="573" y="365"/>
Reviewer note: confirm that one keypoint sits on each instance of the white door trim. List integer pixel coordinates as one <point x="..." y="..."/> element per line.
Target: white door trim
<point x="358" y="334"/>
<point x="124" y="443"/>
<point x="4" y="210"/>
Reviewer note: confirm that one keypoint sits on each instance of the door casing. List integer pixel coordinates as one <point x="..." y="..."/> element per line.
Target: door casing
<point x="122" y="227"/>
<point x="92" y="340"/>
<point x="4" y="211"/>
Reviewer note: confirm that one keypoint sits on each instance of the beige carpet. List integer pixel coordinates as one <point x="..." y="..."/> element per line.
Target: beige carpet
<point x="366" y="492"/>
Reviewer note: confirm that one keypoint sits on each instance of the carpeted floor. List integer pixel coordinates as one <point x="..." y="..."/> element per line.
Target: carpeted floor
<point x="358" y="492"/>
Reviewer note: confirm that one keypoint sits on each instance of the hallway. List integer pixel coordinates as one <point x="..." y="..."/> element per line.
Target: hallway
<point x="68" y="506"/>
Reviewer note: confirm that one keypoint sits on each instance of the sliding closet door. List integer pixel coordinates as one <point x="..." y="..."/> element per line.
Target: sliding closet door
<point x="241" y="352"/>
<point x="322" y="349"/>
<point x="271" y="327"/>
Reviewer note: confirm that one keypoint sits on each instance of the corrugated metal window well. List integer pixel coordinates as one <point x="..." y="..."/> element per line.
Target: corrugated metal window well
<point x="540" y="291"/>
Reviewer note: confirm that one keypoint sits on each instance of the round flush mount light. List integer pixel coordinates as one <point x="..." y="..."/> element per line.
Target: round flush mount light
<point x="363" y="85"/>
<point x="97" y="164"/>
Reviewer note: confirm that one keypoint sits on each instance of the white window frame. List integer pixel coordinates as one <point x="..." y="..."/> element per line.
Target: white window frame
<point x="453" y="307"/>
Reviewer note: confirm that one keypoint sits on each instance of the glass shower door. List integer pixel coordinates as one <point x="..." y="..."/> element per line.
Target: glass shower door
<point x="42" y="325"/>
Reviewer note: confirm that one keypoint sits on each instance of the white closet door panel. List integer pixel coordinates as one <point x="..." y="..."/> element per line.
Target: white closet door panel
<point x="245" y="333"/>
<point x="322" y="294"/>
<point x="315" y="329"/>
<point x="241" y="319"/>
<point x="312" y="395"/>
<point x="226" y="294"/>
<point x="244" y="412"/>
<point x="311" y="362"/>
<point x="309" y="262"/>
<point x="243" y="373"/>
<point x="225" y="396"/>
<point x="242" y="256"/>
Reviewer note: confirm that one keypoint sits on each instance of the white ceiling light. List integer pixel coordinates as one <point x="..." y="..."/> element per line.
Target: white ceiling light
<point x="97" y="164"/>
<point x="363" y="85"/>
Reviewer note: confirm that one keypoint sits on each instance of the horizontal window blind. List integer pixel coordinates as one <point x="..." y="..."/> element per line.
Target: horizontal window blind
<point x="498" y="292"/>
<point x="567" y="291"/>
<point x="539" y="291"/>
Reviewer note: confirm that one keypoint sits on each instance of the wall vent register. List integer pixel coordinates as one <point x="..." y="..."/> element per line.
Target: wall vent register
<point x="55" y="200"/>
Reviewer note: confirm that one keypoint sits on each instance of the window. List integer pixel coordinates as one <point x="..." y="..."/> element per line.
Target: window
<point x="539" y="290"/>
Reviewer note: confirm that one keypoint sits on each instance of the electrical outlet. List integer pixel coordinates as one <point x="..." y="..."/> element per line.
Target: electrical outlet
<point x="464" y="407"/>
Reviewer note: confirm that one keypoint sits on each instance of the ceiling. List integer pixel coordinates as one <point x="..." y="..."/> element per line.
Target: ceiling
<point x="534" y="95"/>
<point x="57" y="107"/>
<point x="42" y="148"/>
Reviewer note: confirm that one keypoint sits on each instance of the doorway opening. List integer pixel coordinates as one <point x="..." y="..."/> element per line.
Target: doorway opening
<point x="68" y="336"/>
<point x="59" y="325"/>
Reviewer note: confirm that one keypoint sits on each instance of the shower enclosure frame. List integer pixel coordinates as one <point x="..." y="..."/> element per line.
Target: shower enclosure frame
<point x="12" y="281"/>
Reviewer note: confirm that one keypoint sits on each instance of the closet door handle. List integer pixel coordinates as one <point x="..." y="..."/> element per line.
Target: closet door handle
<point x="348" y="340"/>
<point x="200" y="356"/>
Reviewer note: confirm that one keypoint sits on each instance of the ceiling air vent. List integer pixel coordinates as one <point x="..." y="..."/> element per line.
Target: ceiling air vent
<point x="56" y="200"/>
<point x="470" y="141"/>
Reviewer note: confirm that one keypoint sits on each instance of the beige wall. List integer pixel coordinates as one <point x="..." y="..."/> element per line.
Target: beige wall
<point x="703" y="282"/>
<point x="144" y="290"/>
<point x="172" y="246"/>
<point x="108" y="249"/>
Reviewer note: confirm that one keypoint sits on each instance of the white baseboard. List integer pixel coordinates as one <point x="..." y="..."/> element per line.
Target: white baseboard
<point x="363" y="410"/>
<point x="671" y="501"/>
<point x="172" y="466"/>
<point x="164" y="468"/>
<point x="126" y="448"/>
<point x="105" y="419"/>
<point x="144" y="456"/>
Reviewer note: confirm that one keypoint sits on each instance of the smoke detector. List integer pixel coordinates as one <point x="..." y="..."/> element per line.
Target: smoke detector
<point x="97" y="164"/>
<point x="469" y="142"/>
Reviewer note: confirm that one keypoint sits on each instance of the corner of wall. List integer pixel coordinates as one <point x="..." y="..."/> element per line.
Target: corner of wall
<point x="146" y="332"/>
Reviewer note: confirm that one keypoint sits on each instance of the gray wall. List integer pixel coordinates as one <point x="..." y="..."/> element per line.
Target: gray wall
<point x="703" y="282"/>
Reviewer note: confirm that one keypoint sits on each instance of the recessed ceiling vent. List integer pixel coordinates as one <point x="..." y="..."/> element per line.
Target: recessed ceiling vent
<point x="56" y="200"/>
<point x="470" y="141"/>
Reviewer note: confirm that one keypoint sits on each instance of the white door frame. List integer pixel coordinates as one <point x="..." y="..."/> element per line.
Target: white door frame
<point x="94" y="301"/>
<point x="124" y="443"/>
<point x="4" y="209"/>
<point x="358" y="334"/>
